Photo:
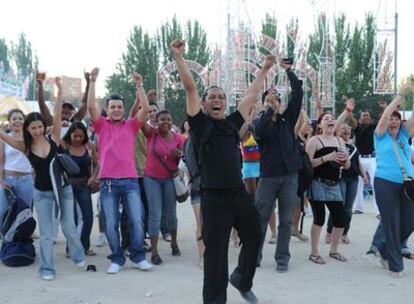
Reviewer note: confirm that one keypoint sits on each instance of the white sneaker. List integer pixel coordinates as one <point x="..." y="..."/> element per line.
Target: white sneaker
<point x="81" y="264"/>
<point x="48" y="277"/>
<point x="100" y="241"/>
<point x="113" y="268"/>
<point x="144" y="265"/>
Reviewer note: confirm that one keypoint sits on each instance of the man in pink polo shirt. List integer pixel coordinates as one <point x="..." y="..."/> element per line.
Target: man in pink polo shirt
<point x="117" y="175"/>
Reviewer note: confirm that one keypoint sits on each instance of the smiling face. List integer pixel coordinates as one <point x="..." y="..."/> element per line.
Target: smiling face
<point x="164" y="122"/>
<point x="16" y="121"/>
<point x="77" y="137"/>
<point x="365" y="118"/>
<point x="36" y="129"/>
<point x="327" y="123"/>
<point x="345" y="132"/>
<point x="116" y="110"/>
<point x="67" y="112"/>
<point x="215" y="103"/>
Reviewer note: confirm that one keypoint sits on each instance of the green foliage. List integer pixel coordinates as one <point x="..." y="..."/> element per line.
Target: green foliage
<point x="144" y="55"/>
<point x="4" y="55"/>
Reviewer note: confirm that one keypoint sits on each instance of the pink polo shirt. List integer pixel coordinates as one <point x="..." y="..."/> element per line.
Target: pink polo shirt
<point x="116" y="147"/>
<point x="153" y="166"/>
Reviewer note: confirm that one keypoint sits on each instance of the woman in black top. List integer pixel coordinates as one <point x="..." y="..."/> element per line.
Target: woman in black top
<point x="328" y="159"/>
<point x="76" y="143"/>
<point x="41" y="150"/>
<point x="348" y="183"/>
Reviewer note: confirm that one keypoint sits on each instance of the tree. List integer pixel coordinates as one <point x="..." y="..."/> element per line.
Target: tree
<point x="4" y="55"/>
<point x="197" y="50"/>
<point x="141" y="56"/>
<point x="26" y="62"/>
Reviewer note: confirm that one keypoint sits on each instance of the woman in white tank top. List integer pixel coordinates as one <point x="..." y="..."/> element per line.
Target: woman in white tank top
<point x="15" y="169"/>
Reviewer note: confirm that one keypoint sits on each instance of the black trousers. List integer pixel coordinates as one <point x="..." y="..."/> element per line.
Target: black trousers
<point x="221" y="210"/>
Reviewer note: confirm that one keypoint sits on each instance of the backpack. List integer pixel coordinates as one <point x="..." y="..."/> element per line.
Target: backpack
<point x="16" y="254"/>
<point x="18" y="223"/>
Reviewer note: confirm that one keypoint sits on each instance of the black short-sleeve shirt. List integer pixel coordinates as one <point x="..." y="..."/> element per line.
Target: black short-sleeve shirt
<point x="220" y="155"/>
<point x="364" y="139"/>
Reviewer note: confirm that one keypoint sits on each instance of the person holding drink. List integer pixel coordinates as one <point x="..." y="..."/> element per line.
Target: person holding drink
<point x="329" y="157"/>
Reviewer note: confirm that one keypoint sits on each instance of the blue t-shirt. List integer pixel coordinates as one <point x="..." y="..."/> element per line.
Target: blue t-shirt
<point x="388" y="166"/>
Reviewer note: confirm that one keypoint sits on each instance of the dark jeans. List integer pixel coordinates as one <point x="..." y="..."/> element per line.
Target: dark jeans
<point x="283" y="188"/>
<point x="397" y="217"/>
<point x="221" y="210"/>
<point x="379" y="237"/>
<point x="82" y="196"/>
<point x="124" y="223"/>
<point x="349" y="187"/>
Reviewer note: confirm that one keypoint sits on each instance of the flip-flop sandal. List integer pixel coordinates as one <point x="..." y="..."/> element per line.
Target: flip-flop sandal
<point x="337" y="256"/>
<point x="317" y="259"/>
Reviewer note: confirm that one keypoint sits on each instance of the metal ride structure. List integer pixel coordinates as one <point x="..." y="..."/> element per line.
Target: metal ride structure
<point x="385" y="48"/>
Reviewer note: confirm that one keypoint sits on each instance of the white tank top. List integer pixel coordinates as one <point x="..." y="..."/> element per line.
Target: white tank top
<point x="14" y="160"/>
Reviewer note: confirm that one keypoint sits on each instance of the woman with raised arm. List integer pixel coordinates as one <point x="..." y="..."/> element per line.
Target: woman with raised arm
<point x="41" y="149"/>
<point x="15" y="168"/>
<point x="393" y="164"/>
<point x="328" y="157"/>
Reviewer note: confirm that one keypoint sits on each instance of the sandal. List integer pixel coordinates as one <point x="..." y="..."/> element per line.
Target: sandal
<point x="317" y="259"/>
<point x="337" y="256"/>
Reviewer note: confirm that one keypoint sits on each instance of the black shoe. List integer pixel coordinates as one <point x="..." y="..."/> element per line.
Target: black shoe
<point x="175" y="251"/>
<point x="281" y="268"/>
<point x="156" y="260"/>
<point x="248" y="295"/>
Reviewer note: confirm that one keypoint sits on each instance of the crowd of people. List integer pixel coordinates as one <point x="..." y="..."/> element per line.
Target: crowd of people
<point x="240" y="168"/>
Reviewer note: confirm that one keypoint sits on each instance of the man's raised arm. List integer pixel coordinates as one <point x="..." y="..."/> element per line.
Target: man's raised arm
<point x="192" y="96"/>
<point x="92" y="108"/>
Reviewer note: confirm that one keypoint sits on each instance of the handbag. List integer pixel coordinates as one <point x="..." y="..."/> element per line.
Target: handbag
<point x="68" y="165"/>
<point x="181" y="187"/>
<point x="408" y="184"/>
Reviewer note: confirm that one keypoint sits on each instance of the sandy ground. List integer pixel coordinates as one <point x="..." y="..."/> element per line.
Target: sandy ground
<point x="179" y="280"/>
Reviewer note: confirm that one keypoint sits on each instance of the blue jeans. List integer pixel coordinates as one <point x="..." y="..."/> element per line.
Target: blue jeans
<point x="82" y="196"/>
<point x="24" y="189"/>
<point x="112" y="191"/>
<point x="44" y="202"/>
<point x="161" y="204"/>
<point x="349" y="187"/>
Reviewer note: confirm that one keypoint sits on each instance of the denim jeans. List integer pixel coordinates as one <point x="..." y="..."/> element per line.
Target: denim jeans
<point x="349" y="187"/>
<point x="24" y="189"/>
<point x="161" y="204"/>
<point x="379" y="237"/>
<point x="112" y="191"/>
<point x="82" y="196"/>
<point x="44" y="202"/>
<point x="284" y="189"/>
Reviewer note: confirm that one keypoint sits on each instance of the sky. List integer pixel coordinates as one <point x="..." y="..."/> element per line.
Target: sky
<point x="70" y="36"/>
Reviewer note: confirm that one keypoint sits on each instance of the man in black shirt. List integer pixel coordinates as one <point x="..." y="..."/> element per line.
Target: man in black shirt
<point x="279" y="164"/>
<point x="224" y="200"/>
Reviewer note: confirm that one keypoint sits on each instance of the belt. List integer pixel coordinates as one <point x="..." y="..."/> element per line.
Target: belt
<point x="328" y="182"/>
<point x="368" y="155"/>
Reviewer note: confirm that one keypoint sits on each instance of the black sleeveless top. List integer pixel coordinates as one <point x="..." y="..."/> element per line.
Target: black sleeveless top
<point x="41" y="167"/>
<point x="84" y="163"/>
<point x="329" y="169"/>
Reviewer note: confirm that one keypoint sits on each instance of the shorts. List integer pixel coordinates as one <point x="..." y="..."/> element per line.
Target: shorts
<point x="320" y="191"/>
<point x="251" y="170"/>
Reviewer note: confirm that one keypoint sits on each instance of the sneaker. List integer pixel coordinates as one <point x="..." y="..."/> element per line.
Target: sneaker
<point x="358" y="212"/>
<point x="48" y="277"/>
<point x="300" y="236"/>
<point x="282" y="268"/>
<point x="167" y="237"/>
<point x="144" y="265"/>
<point x="101" y="240"/>
<point x="81" y="264"/>
<point x="113" y="268"/>
<point x="373" y="250"/>
<point x="272" y="239"/>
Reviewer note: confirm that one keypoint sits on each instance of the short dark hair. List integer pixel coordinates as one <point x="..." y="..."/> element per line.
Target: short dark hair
<point x="153" y="104"/>
<point x="204" y="96"/>
<point x="161" y="113"/>
<point x="265" y="93"/>
<point x="396" y="114"/>
<point x="115" y="96"/>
